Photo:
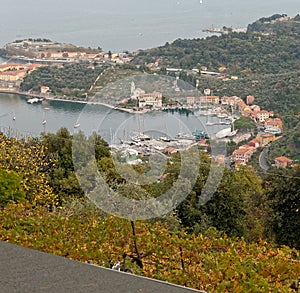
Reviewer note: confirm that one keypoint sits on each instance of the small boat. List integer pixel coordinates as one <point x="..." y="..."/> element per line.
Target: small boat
<point x="140" y="137"/>
<point x="222" y="115"/>
<point x="33" y="100"/>
<point x="182" y="135"/>
<point x="44" y="122"/>
<point x="77" y="125"/>
<point x="199" y="134"/>
<point x="223" y="133"/>
<point x="165" y="139"/>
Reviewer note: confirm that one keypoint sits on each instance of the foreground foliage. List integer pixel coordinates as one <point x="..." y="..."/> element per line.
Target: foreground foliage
<point x="210" y="261"/>
<point x="43" y="208"/>
<point x="27" y="158"/>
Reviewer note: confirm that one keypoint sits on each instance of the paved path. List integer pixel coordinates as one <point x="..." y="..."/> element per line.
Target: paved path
<point x="24" y="270"/>
<point x="263" y="159"/>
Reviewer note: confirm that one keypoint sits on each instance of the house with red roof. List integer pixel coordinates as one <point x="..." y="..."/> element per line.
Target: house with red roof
<point x="241" y="156"/>
<point x="283" y="162"/>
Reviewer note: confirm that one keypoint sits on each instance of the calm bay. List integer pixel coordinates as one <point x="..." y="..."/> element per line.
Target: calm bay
<point x="113" y="125"/>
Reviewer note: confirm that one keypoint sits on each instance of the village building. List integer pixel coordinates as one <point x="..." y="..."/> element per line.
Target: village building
<point x="144" y="99"/>
<point x="170" y="151"/>
<point x="266" y="139"/>
<point x="247" y="112"/>
<point x="11" y="67"/>
<point x="230" y="101"/>
<point x="273" y="125"/>
<point x="45" y="89"/>
<point x="152" y="99"/>
<point x="241" y="156"/>
<point x="241" y="106"/>
<point x="225" y="100"/>
<point x="283" y="162"/>
<point x="15" y="75"/>
<point x="212" y="100"/>
<point x="250" y="100"/>
<point x="190" y="100"/>
<point x="254" y="142"/>
<point x="262" y="115"/>
<point x="255" y="109"/>
<point x="202" y="145"/>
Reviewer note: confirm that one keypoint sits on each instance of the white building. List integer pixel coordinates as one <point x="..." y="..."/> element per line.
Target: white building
<point x="144" y="99"/>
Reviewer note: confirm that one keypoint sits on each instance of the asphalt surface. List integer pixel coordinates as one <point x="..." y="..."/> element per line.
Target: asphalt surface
<point x="25" y="270"/>
<point x="263" y="159"/>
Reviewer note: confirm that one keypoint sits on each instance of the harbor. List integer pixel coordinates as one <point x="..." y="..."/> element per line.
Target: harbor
<point x="28" y="119"/>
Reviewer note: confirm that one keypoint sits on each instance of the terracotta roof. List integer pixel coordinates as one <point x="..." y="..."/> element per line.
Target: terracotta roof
<point x="8" y="65"/>
<point x="240" y="151"/>
<point x="169" y="150"/>
<point x="14" y="73"/>
<point x="283" y="159"/>
<point x="267" y="135"/>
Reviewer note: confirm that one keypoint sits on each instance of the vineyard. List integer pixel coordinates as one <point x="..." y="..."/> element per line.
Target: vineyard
<point x="210" y="261"/>
<point x="43" y="207"/>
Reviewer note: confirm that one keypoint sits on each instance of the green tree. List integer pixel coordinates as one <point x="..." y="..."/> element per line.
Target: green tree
<point x="283" y="192"/>
<point x="10" y="187"/>
<point x="227" y="209"/>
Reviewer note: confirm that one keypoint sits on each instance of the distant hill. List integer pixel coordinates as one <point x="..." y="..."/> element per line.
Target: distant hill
<point x="264" y="48"/>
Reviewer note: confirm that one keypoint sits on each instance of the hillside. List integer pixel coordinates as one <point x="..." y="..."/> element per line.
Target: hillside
<point x="69" y="80"/>
<point x="236" y="241"/>
<point x="265" y="61"/>
<point x="288" y="146"/>
<point x="253" y="52"/>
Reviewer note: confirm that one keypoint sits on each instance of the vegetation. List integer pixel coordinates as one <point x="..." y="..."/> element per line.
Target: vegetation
<point x="29" y="49"/>
<point x="33" y="40"/>
<point x="283" y="194"/>
<point x="237" y="52"/>
<point x="211" y="261"/>
<point x="27" y="164"/>
<point x="61" y="175"/>
<point x="74" y="80"/>
<point x="10" y="188"/>
<point x="245" y="238"/>
<point x="276" y="24"/>
<point x="288" y="145"/>
<point x="44" y="208"/>
<point x="119" y="72"/>
<point x="245" y="124"/>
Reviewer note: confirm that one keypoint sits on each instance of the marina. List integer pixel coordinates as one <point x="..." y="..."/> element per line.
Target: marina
<point x="50" y="115"/>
